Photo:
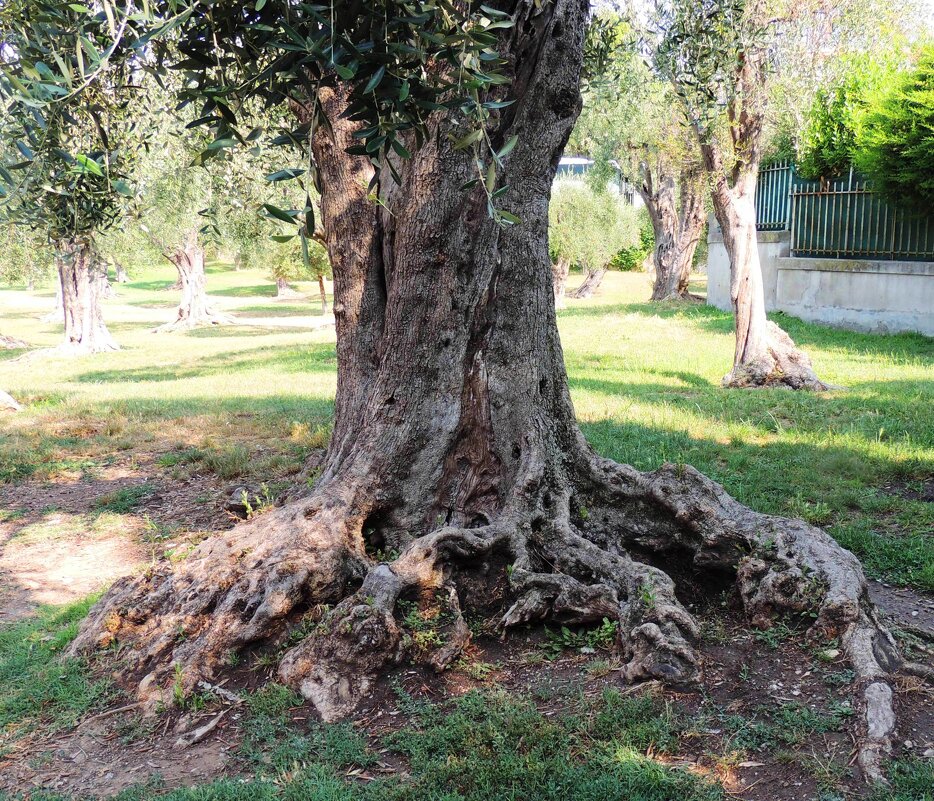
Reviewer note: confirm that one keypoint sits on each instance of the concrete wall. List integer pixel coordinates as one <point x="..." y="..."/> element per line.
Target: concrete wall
<point x="863" y="295"/>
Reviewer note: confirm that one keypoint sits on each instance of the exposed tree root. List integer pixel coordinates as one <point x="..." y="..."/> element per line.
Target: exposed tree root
<point x="188" y="322"/>
<point x="12" y="343"/>
<point x="8" y="402"/>
<point x="781" y="365"/>
<point x="179" y="626"/>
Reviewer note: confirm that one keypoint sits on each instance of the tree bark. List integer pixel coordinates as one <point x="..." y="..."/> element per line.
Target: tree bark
<point x="57" y="314"/>
<point x="764" y="354"/>
<point x="455" y="446"/>
<point x="120" y="273"/>
<point x="193" y="309"/>
<point x="677" y="214"/>
<point x="283" y="290"/>
<point x="82" y="284"/>
<point x="559" y="276"/>
<point x="590" y="284"/>
<point x="323" y="294"/>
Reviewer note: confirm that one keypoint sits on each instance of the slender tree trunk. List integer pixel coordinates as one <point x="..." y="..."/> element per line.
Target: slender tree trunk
<point x="590" y="284"/>
<point x="120" y="274"/>
<point x="764" y="354"/>
<point x="82" y="284"/>
<point x="559" y="276"/>
<point x="193" y="309"/>
<point x="323" y="294"/>
<point x="455" y="444"/>
<point x="677" y="214"/>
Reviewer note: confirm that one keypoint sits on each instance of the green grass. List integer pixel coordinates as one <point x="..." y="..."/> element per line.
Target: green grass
<point x="249" y="402"/>
<point x="481" y="747"/>
<point x="38" y="687"/>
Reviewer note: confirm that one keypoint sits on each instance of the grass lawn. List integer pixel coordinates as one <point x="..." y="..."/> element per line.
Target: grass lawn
<point x="248" y="403"/>
<point x="251" y="400"/>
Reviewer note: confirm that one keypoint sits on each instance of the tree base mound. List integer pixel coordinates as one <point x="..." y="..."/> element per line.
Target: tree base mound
<point x="556" y="558"/>
<point x="782" y="365"/>
<point x="209" y="318"/>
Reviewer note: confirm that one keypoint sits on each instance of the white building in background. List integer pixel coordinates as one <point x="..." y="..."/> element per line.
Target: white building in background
<point x="575" y="168"/>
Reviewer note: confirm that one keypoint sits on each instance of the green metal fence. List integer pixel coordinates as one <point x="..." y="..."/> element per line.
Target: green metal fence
<point x="773" y="196"/>
<point x="841" y="218"/>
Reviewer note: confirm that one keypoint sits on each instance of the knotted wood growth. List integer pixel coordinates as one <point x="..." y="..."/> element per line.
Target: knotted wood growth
<point x="455" y="453"/>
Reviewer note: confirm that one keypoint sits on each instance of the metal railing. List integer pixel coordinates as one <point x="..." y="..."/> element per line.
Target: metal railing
<point x="841" y="218"/>
<point x="773" y="196"/>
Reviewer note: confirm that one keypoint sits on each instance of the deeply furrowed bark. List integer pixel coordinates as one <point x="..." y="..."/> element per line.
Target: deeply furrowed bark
<point x="193" y="309"/>
<point x="82" y="282"/>
<point x="455" y="447"/>
<point x="677" y="215"/>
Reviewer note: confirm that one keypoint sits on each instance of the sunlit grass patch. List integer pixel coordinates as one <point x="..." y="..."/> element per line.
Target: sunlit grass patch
<point x="38" y="687"/>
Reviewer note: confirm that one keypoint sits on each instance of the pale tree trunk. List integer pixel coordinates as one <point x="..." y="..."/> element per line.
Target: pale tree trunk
<point x="283" y="290"/>
<point x="120" y="274"/>
<point x="677" y="214"/>
<point x="193" y="309"/>
<point x="82" y="283"/>
<point x="8" y="403"/>
<point x="455" y="446"/>
<point x="764" y="354"/>
<point x="559" y="276"/>
<point x="57" y="314"/>
<point x="323" y="295"/>
<point x="592" y="280"/>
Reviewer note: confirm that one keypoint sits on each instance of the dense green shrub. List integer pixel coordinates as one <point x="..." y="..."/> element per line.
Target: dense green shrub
<point x="834" y="122"/>
<point x="631" y="257"/>
<point x="896" y="141"/>
<point x="589" y="228"/>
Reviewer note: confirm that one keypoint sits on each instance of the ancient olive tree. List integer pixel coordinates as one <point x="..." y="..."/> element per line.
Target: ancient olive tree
<point x="716" y="54"/>
<point x="587" y="228"/>
<point x="455" y="448"/>
<point x="174" y="197"/>
<point x="64" y="92"/>
<point x="631" y="119"/>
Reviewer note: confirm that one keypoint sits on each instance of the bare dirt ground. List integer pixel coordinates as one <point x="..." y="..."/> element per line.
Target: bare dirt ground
<point x="57" y="546"/>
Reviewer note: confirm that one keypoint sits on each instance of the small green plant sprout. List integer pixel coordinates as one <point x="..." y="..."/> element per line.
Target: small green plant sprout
<point x="587" y="641"/>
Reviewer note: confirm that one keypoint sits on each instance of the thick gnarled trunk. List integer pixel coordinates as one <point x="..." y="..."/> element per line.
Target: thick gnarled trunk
<point x="82" y="281"/>
<point x="591" y="283"/>
<point x="677" y="214"/>
<point x="764" y="355"/>
<point x="456" y="451"/>
<point x="193" y="309"/>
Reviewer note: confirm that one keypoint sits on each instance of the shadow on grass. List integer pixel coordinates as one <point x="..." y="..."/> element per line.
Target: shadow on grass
<point x="869" y="409"/>
<point x="311" y="358"/>
<point x="709" y="318"/>
<point x="258" y="290"/>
